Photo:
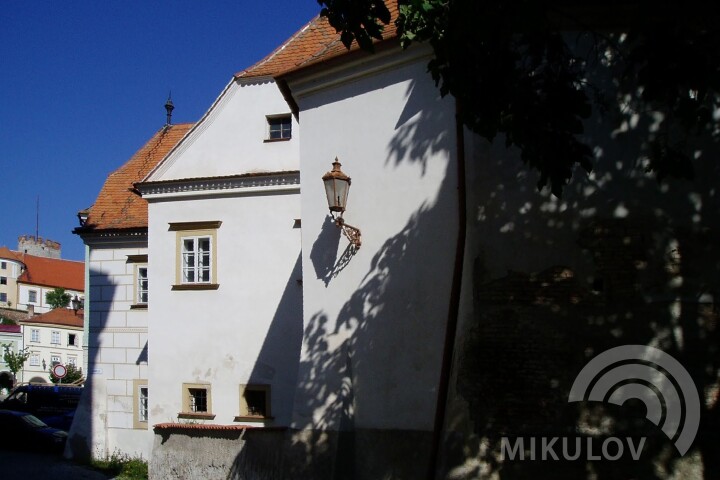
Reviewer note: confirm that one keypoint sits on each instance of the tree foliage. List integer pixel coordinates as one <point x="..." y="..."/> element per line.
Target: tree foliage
<point x="73" y="374"/>
<point x="57" y="298"/>
<point x="15" y="360"/>
<point x="523" y="70"/>
<point x="7" y="321"/>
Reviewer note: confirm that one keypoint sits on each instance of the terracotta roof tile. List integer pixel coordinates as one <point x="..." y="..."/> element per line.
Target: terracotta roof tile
<point x="59" y="316"/>
<point x="117" y="207"/>
<point x="53" y="272"/>
<point x="8" y="254"/>
<point x="316" y="42"/>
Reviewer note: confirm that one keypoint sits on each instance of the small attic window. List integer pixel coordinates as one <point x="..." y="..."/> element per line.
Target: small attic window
<point x="279" y="128"/>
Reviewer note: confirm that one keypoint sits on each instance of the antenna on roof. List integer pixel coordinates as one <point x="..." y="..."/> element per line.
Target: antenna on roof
<point x="169" y="107"/>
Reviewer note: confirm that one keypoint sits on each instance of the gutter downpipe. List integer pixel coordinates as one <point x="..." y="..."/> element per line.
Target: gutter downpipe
<point x="454" y="306"/>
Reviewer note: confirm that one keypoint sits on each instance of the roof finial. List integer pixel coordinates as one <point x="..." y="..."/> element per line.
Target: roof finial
<point x="169" y="107"/>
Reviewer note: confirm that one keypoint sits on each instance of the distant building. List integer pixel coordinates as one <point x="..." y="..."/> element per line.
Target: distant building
<point x="52" y="338"/>
<point x="38" y="246"/>
<point x="25" y="279"/>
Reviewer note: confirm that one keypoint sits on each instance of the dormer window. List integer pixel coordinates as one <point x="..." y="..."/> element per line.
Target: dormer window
<point x="279" y="127"/>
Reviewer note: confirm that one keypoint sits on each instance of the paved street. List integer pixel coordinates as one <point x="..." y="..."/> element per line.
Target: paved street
<point x="42" y="466"/>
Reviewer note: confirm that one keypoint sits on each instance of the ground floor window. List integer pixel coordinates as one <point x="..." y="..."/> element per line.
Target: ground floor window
<point x="254" y="402"/>
<point x="197" y="401"/>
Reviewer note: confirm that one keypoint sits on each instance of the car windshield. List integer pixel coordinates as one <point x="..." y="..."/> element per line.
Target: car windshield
<point x="33" y="421"/>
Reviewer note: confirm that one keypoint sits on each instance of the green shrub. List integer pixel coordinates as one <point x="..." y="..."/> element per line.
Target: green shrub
<point x="122" y="467"/>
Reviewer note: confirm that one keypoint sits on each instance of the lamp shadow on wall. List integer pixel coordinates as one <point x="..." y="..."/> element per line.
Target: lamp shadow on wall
<point x="374" y="358"/>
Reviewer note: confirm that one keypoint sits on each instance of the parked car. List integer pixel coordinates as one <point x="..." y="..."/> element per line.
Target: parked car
<point x="53" y="404"/>
<point x="25" y="431"/>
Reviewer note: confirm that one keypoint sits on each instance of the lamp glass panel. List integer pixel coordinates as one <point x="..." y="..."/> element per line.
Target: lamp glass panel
<point x="337" y="192"/>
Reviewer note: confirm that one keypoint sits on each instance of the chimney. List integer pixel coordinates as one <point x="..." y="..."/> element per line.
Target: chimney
<point x="31" y="311"/>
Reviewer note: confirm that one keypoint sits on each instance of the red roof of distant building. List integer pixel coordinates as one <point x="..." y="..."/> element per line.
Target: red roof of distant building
<point x="117" y="207"/>
<point x="8" y="254"/>
<point x="316" y="42"/>
<point x="59" y="316"/>
<point x="52" y="272"/>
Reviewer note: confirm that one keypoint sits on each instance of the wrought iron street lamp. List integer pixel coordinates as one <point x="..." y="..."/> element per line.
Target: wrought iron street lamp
<point x="337" y="187"/>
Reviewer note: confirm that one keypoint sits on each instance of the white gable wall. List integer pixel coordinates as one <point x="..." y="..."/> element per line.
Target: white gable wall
<point x="231" y="138"/>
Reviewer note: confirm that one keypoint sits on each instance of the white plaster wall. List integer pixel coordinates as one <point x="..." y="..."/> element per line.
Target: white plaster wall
<point x="230" y="139"/>
<point x="41" y="306"/>
<point x="374" y="325"/>
<point x="117" y="351"/>
<point x="45" y="349"/>
<point x="249" y="329"/>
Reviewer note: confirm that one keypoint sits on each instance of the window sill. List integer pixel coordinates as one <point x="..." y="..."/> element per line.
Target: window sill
<point x="197" y="415"/>
<point x="196" y="286"/>
<point x="138" y="306"/>
<point x="252" y="418"/>
<point x="273" y="140"/>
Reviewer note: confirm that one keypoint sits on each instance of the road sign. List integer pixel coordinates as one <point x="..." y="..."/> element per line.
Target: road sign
<point x="59" y="370"/>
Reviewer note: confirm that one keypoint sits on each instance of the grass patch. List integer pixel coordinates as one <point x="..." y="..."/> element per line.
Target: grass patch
<point x="122" y="466"/>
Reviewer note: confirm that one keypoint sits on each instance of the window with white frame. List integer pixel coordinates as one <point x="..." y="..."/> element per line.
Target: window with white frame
<point x="72" y="339"/>
<point x="55" y="359"/>
<point x="3" y="297"/>
<point x="32" y="296"/>
<point x="3" y="265"/>
<point x="3" y="280"/>
<point x="279" y="127"/>
<point x="140" y="280"/>
<point x="141" y="296"/>
<point x="35" y="335"/>
<point x="197" y="255"/>
<point x="196" y="259"/>
<point x="55" y="337"/>
<point x="72" y="361"/>
<point x="140" y="401"/>
<point x="34" y="359"/>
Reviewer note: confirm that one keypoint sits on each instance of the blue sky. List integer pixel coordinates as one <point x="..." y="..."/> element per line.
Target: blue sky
<point x="83" y="86"/>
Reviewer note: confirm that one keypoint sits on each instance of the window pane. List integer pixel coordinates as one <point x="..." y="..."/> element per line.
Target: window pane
<point x="198" y="399"/>
<point x="143" y="404"/>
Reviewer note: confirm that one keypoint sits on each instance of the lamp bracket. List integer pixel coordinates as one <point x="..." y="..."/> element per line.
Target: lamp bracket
<point x="352" y="233"/>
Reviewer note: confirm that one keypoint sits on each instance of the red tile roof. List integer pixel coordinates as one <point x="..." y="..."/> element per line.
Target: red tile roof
<point x="117" y="207"/>
<point x="59" y="316"/>
<point x="8" y="254"/>
<point x="315" y="43"/>
<point x="53" y="272"/>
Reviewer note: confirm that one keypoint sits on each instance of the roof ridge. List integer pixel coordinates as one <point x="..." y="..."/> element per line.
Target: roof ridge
<point x="279" y="48"/>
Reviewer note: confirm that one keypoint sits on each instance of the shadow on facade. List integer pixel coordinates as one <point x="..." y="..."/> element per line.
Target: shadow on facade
<point x="87" y="437"/>
<point x="367" y="379"/>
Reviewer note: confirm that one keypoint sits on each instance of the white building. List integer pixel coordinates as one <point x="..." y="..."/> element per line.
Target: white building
<point x="466" y="312"/>
<point x="113" y="411"/>
<point x="224" y="252"/>
<point x="51" y="338"/>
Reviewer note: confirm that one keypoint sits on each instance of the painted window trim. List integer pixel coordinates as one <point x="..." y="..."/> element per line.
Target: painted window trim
<point x="138" y="261"/>
<point x="137" y="423"/>
<point x="186" y="412"/>
<point x="245" y="416"/>
<point x="203" y="229"/>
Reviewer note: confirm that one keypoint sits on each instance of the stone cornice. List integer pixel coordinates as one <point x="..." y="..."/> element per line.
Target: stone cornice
<point x="266" y="181"/>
